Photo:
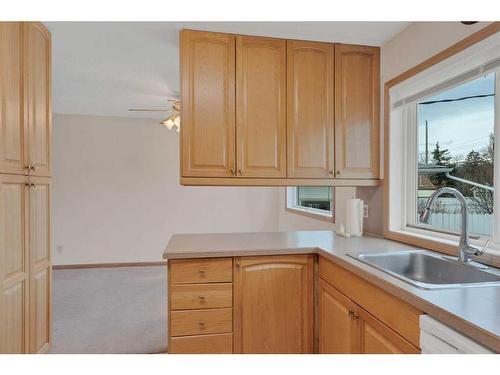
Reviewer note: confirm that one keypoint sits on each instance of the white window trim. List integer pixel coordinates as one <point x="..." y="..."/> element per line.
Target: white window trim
<point x="291" y="206"/>
<point x="402" y="145"/>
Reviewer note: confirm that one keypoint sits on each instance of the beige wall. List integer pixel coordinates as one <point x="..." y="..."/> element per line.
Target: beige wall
<point x="117" y="198"/>
<point x="413" y="45"/>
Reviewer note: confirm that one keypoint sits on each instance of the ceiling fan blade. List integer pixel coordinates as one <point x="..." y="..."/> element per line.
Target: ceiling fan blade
<point x="148" y="110"/>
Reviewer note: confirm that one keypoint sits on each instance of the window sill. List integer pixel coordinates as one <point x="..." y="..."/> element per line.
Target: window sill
<point x="312" y="213"/>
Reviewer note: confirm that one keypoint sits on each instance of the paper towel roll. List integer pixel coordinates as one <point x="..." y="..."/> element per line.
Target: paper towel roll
<point x="354" y="217"/>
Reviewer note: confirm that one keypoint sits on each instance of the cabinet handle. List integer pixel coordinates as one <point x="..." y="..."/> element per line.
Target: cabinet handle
<point x="237" y="264"/>
<point x="332" y="172"/>
<point x="239" y="172"/>
<point x="338" y="173"/>
<point x="33" y="185"/>
<point x="202" y="299"/>
<point x="30" y="167"/>
<point x="233" y="172"/>
<point x="356" y="316"/>
<point x="350" y="313"/>
<point x="202" y="325"/>
<point x="201" y="272"/>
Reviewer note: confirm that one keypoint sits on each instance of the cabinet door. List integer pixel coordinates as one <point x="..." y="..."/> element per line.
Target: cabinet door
<point x="260" y="107"/>
<point x="12" y="125"/>
<point x="40" y="264"/>
<point x="38" y="112"/>
<point x="273" y="304"/>
<point x="208" y="104"/>
<point x="357" y="134"/>
<point x="14" y="265"/>
<point x="338" y="333"/>
<point x="377" y="338"/>
<point x="310" y="121"/>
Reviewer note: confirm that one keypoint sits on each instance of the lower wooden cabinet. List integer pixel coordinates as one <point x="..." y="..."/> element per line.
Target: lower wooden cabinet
<point x="346" y="328"/>
<point x="280" y="304"/>
<point x="273" y="304"/>
<point x="25" y="264"/>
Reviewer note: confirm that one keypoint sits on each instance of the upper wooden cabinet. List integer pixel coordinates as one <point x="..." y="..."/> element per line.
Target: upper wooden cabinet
<point x="270" y="112"/>
<point x="261" y="107"/>
<point x="357" y="111"/>
<point x="13" y="133"/>
<point x="208" y="104"/>
<point x="273" y="304"/>
<point x="310" y="121"/>
<point x="25" y="98"/>
<point x="37" y="52"/>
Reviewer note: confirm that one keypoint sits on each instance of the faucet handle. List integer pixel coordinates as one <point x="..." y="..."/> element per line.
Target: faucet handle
<point x="483" y="250"/>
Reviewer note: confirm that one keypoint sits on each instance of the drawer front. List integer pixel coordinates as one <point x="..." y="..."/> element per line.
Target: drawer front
<point x="390" y="310"/>
<point x="201" y="296"/>
<point x="205" y="344"/>
<point x="195" y="271"/>
<point x="201" y="322"/>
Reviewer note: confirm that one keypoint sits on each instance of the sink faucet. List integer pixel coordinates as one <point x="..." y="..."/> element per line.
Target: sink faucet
<point x="465" y="250"/>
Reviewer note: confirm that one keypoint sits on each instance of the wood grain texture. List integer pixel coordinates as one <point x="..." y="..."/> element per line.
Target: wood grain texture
<point x="261" y="107"/>
<point x="357" y="111"/>
<point x="201" y="181"/>
<point x="201" y="322"/>
<point x="336" y="330"/>
<point x="400" y="316"/>
<point x="13" y="133"/>
<point x="202" y="344"/>
<point x="14" y="265"/>
<point x="310" y="109"/>
<point x="189" y="271"/>
<point x="208" y="104"/>
<point x="273" y="304"/>
<point x="377" y="338"/>
<point x="38" y="101"/>
<point x="200" y="296"/>
<point x="40" y="264"/>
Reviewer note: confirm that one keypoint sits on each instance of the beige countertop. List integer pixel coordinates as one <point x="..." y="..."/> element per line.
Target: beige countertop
<point x="473" y="311"/>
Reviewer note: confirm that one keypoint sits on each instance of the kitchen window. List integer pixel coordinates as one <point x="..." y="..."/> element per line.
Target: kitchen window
<point x="443" y="124"/>
<point x="315" y="201"/>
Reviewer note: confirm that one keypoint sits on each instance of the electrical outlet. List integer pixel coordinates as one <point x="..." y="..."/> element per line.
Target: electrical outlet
<point x="59" y="249"/>
<point x="365" y="211"/>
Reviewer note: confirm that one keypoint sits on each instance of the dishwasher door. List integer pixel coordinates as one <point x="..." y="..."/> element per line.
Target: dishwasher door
<point x="438" y="338"/>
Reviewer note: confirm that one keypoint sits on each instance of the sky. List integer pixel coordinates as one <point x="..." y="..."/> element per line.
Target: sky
<point x="459" y="126"/>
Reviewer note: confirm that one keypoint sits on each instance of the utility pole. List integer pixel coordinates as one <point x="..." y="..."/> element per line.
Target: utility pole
<point x="426" y="143"/>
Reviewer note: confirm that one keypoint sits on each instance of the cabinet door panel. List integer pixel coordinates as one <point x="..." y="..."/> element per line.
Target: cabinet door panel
<point x="337" y="330"/>
<point x="273" y="304"/>
<point x="260" y="107"/>
<point x="40" y="262"/>
<point x="37" y="51"/>
<point x="357" y="133"/>
<point x="310" y="121"/>
<point x="208" y="104"/>
<point x="14" y="267"/>
<point x="12" y="132"/>
<point x="377" y="338"/>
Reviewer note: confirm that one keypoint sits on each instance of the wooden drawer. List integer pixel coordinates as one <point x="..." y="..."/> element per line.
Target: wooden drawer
<point x="192" y="271"/>
<point x="201" y="296"/>
<point x="205" y="344"/>
<point x="201" y="322"/>
<point x="393" y="312"/>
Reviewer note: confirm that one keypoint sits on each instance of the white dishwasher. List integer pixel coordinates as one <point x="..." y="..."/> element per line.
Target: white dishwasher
<point x="437" y="338"/>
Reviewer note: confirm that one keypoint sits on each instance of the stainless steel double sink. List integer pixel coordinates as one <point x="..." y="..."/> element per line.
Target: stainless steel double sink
<point x="429" y="270"/>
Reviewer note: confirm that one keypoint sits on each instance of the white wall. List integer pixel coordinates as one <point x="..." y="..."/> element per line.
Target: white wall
<point x="415" y="44"/>
<point x="117" y="198"/>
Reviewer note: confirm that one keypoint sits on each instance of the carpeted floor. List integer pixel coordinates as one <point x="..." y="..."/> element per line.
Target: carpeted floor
<point x="109" y="310"/>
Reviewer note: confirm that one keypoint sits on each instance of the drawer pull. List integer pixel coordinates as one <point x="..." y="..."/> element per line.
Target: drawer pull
<point x="201" y="272"/>
<point x="202" y="325"/>
<point x="202" y="299"/>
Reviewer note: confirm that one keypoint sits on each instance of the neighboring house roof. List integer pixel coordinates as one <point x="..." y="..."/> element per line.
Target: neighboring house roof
<point x="433" y="168"/>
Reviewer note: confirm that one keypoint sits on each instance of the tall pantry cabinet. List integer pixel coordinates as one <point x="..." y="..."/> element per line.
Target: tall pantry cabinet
<point x="25" y="187"/>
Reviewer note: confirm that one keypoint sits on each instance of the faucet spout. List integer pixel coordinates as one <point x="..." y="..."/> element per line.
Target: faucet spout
<point x="464" y="248"/>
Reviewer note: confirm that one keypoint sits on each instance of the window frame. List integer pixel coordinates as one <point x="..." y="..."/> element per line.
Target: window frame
<point x="396" y="182"/>
<point x="292" y="207"/>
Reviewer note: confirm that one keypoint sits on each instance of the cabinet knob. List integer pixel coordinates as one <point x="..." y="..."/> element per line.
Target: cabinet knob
<point x="202" y="299"/>
<point x="201" y="272"/>
<point x="356" y="316"/>
<point x="332" y="172"/>
<point x="202" y="325"/>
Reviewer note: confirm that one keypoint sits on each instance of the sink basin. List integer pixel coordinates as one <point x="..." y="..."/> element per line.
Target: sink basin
<point x="429" y="270"/>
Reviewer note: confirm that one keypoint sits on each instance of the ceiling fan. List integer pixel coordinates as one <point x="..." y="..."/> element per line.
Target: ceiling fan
<point x="173" y="120"/>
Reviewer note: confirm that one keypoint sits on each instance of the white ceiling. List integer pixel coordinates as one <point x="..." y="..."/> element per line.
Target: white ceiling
<point x="104" y="68"/>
